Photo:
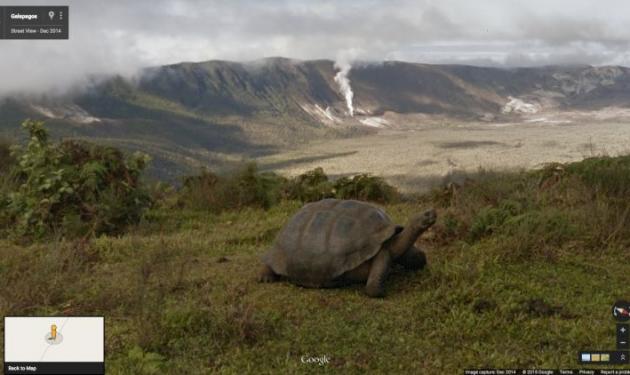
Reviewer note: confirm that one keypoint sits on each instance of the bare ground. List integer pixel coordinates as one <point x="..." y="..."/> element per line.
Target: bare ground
<point x="415" y="153"/>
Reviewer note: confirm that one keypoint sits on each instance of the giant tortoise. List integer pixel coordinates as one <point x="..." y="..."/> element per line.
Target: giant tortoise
<point x="334" y="242"/>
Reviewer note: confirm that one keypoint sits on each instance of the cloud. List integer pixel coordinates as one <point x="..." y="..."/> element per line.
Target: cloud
<point x="121" y="37"/>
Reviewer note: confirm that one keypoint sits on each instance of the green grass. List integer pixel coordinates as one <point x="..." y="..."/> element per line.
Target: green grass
<point x="523" y="269"/>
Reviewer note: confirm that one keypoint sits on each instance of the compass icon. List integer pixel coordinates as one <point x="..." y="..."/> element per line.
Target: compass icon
<point x="621" y="311"/>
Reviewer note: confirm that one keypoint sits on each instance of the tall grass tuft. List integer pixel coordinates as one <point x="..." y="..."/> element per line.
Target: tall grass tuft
<point x="558" y="208"/>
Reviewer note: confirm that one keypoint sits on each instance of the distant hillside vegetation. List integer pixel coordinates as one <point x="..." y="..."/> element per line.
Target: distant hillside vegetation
<point x="218" y="112"/>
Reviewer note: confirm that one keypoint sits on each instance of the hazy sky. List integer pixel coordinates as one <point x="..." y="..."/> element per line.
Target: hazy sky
<point x="122" y="36"/>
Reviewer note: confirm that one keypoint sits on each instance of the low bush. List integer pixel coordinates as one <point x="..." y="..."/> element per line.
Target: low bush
<point x="73" y="188"/>
<point x="7" y="164"/>
<point x="245" y="187"/>
<point x="315" y="185"/>
<point x="7" y="182"/>
<point x="6" y="159"/>
<point x="310" y="186"/>
<point x="366" y="188"/>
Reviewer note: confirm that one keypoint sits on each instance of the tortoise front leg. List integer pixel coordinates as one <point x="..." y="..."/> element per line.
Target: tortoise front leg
<point x="413" y="259"/>
<point x="267" y="275"/>
<point x="379" y="269"/>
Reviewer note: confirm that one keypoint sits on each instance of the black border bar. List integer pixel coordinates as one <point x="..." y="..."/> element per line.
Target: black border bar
<point x="55" y="368"/>
<point x="546" y="371"/>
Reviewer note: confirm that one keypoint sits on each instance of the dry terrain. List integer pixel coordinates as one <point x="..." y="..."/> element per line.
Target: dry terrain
<point x="416" y="152"/>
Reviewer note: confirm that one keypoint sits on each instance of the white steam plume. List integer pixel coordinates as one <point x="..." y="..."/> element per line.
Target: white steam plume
<point x="344" y="83"/>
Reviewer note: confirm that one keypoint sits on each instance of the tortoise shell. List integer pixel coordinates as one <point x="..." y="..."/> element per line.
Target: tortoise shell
<point x="327" y="238"/>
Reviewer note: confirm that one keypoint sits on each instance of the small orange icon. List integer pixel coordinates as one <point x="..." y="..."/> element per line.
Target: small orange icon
<point x="53" y="332"/>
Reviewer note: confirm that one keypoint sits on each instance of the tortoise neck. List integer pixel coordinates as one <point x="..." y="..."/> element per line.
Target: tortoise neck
<point x="404" y="240"/>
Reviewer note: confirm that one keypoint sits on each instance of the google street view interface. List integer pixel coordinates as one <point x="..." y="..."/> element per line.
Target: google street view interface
<point x="287" y="187"/>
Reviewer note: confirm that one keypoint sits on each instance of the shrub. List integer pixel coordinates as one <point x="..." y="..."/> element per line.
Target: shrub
<point x="245" y="187"/>
<point x="199" y="191"/>
<point x="249" y="188"/>
<point x="6" y="159"/>
<point x="310" y="186"/>
<point x="366" y="188"/>
<point x="74" y="188"/>
<point x="315" y="185"/>
<point x="7" y="163"/>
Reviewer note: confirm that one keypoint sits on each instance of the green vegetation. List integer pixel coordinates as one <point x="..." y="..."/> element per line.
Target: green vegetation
<point x="315" y="185"/>
<point x="72" y="188"/>
<point x="523" y="269"/>
<point x="6" y="160"/>
<point x="7" y="181"/>
<point x="366" y="188"/>
<point x="246" y="187"/>
<point x="6" y="163"/>
<point x="311" y="186"/>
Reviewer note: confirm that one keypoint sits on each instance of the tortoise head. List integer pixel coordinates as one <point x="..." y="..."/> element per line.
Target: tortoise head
<point x="424" y="220"/>
<point x="408" y="236"/>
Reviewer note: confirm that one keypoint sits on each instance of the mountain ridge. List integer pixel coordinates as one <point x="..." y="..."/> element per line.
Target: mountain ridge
<point x="218" y="112"/>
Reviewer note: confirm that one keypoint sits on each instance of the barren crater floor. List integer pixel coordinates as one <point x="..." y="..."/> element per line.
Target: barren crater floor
<point x="417" y="157"/>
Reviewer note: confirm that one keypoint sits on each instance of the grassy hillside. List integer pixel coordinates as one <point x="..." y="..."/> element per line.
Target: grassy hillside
<point x="523" y="270"/>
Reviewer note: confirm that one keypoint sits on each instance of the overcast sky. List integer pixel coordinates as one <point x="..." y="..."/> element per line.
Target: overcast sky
<point x="122" y="36"/>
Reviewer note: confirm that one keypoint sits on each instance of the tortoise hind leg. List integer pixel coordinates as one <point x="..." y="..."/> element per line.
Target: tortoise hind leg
<point x="267" y="275"/>
<point x="375" y="286"/>
<point x="413" y="259"/>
